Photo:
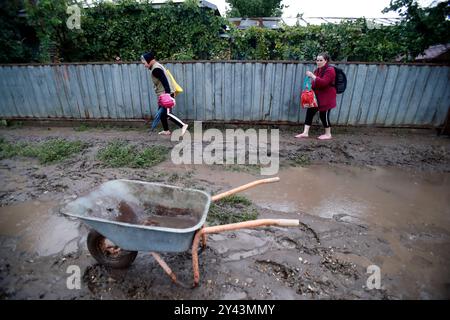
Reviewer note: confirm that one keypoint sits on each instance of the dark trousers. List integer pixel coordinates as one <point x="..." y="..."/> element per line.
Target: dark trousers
<point x="167" y="113"/>
<point x="324" y="117"/>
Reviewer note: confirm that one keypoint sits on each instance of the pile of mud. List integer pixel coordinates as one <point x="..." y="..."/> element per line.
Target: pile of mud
<point x="149" y="214"/>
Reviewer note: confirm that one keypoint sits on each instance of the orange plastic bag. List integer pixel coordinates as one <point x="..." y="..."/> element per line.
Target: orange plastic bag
<point x="308" y="98"/>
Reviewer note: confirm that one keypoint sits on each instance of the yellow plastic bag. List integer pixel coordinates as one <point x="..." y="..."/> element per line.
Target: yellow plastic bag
<point x="178" y="88"/>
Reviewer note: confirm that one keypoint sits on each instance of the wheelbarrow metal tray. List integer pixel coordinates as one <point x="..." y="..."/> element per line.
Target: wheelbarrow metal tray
<point x="98" y="209"/>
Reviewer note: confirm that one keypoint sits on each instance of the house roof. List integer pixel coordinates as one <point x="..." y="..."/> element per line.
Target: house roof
<point x="304" y="21"/>
<point x="276" y="22"/>
<point x="437" y="52"/>
<point x="202" y="3"/>
<point x="267" y="22"/>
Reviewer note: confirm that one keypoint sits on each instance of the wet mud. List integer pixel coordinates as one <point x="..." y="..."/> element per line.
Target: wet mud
<point x="369" y="197"/>
<point x="148" y="215"/>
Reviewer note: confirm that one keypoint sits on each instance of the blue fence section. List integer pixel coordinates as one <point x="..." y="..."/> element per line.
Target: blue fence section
<point x="269" y="91"/>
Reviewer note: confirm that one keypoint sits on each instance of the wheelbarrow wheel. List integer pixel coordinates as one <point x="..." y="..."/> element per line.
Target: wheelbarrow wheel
<point x="108" y="254"/>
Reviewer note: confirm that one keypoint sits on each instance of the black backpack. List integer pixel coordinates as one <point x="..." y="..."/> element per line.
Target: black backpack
<point x="340" y="82"/>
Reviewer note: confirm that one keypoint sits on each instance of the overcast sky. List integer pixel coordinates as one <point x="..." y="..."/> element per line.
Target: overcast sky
<point x="331" y="8"/>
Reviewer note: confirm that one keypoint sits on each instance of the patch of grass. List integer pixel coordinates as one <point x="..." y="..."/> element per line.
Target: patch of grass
<point x="236" y="200"/>
<point x="8" y="150"/>
<point x="120" y="154"/>
<point x="105" y="126"/>
<point x="231" y="209"/>
<point x="17" y="124"/>
<point x="161" y="175"/>
<point x="47" y="152"/>
<point x="301" y="160"/>
<point x="127" y="128"/>
<point x="84" y="127"/>
<point x="81" y="128"/>
<point x="56" y="150"/>
<point x="11" y="124"/>
<point x="174" y="178"/>
<point x="249" y="168"/>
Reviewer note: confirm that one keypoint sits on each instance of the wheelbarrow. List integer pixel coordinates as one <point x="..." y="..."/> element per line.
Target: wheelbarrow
<point x="127" y="216"/>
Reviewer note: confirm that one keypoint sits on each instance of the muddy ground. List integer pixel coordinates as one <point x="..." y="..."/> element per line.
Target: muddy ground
<point x="396" y="225"/>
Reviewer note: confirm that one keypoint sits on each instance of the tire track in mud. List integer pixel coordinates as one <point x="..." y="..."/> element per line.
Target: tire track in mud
<point x="319" y="273"/>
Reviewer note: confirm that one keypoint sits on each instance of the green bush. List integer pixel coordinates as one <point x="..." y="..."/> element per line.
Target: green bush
<point x="128" y="28"/>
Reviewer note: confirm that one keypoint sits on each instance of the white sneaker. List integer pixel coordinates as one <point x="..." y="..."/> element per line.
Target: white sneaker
<point x="165" y="133"/>
<point x="183" y="129"/>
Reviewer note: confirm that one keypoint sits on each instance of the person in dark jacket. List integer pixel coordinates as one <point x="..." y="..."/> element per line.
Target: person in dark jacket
<point x="323" y="86"/>
<point x="162" y="85"/>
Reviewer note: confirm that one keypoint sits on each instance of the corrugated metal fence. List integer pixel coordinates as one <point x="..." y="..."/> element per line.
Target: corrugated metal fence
<point x="377" y="94"/>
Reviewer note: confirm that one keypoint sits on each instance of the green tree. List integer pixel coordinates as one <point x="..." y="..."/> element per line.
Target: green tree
<point x="190" y="32"/>
<point x="48" y="18"/>
<point x="127" y="28"/>
<point x="421" y="27"/>
<point x="12" y="39"/>
<point x="255" y="8"/>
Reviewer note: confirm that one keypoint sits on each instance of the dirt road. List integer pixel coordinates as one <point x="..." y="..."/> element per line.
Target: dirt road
<point x="369" y="197"/>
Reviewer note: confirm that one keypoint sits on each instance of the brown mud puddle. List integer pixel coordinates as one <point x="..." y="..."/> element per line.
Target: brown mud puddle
<point x="376" y="196"/>
<point x="408" y="211"/>
<point x="37" y="229"/>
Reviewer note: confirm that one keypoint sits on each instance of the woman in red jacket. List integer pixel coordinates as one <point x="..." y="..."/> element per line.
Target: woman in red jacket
<point x="323" y="86"/>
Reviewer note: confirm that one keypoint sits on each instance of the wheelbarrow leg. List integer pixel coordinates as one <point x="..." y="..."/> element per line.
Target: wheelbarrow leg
<point x="167" y="269"/>
<point x="198" y="235"/>
<point x="230" y="227"/>
<point x="204" y="236"/>
<point x="202" y="233"/>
